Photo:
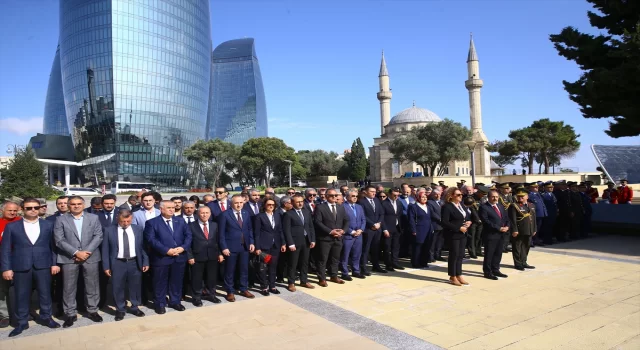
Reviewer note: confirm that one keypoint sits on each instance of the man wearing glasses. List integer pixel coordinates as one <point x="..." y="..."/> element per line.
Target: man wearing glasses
<point x="331" y="224"/>
<point x="352" y="239"/>
<point x="291" y="192"/>
<point x="27" y="256"/>
<point x="374" y="214"/>
<point x="299" y="234"/>
<point x="310" y="196"/>
<point x="219" y="205"/>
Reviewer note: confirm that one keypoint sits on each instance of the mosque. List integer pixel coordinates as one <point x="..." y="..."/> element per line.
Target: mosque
<point x="383" y="168"/>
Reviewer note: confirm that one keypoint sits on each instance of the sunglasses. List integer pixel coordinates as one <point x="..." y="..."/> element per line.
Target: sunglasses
<point x="332" y="195"/>
<point x="312" y="195"/>
<point x="218" y="192"/>
<point x="291" y="193"/>
<point x="270" y="205"/>
<point x="353" y="196"/>
<point x="33" y="208"/>
<point x="383" y="197"/>
<point x="458" y="194"/>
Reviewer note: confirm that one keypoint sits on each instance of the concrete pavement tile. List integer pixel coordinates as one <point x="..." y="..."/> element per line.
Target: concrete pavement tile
<point x="633" y="300"/>
<point x="631" y="344"/>
<point x="443" y="328"/>
<point x="182" y="339"/>
<point x="602" y="338"/>
<point x="618" y="310"/>
<point x="565" y="332"/>
<point x="477" y="329"/>
<point x="505" y="336"/>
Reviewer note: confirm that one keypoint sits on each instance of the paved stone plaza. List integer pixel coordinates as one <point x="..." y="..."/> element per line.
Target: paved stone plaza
<point x="582" y="295"/>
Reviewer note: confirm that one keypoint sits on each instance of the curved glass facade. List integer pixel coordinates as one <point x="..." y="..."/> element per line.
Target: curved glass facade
<point x="136" y="78"/>
<point x="238" y="109"/>
<point x="55" y="116"/>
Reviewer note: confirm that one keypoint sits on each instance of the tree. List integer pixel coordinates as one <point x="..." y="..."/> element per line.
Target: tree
<point x="557" y="141"/>
<point x="320" y="163"/>
<point x="24" y="177"/>
<point x="501" y="159"/>
<point x="212" y="158"/>
<point x="357" y="161"/>
<point x="523" y="144"/>
<point x="432" y="146"/>
<point x="609" y="86"/>
<point x="261" y="156"/>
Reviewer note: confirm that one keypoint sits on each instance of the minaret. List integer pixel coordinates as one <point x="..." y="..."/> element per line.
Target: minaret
<point x="384" y="95"/>
<point x="473" y="84"/>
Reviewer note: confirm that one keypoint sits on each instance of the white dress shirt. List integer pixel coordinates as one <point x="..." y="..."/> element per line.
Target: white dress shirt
<point x="132" y="243"/>
<point x="423" y="207"/>
<point x="150" y="214"/>
<point x="32" y="229"/>
<point x="186" y="218"/>
<point x="270" y="216"/>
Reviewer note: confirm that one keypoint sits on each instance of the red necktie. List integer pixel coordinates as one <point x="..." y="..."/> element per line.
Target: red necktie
<point x="497" y="211"/>
<point x="206" y="231"/>
<point x="222" y="206"/>
<point x="313" y="207"/>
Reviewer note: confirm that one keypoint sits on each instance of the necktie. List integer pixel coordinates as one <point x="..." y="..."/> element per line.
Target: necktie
<point x="301" y="218"/>
<point x="240" y="223"/>
<point x="255" y="208"/>
<point x="353" y="207"/>
<point x="497" y="211"/>
<point x="206" y="230"/>
<point x="372" y="204"/>
<point x="222" y="206"/>
<point x="109" y="217"/>
<point x="169" y="225"/>
<point x="333" y="210"/>
<point x="313" y="207"/>
<point x="126" y="253"/>
<point x="189" y="218"/>
<point x="273" y="224"/>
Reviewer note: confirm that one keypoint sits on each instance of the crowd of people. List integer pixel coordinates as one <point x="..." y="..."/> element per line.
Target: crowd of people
<point x="160" y="250"/>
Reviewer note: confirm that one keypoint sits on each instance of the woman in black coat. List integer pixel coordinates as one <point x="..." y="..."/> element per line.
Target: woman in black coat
<point x="455" y="222"/>
<point x="269" y="239"/>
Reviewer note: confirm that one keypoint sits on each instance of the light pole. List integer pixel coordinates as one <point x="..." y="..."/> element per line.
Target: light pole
<point x="290" y="162"/>
<point x="472" y="148"/>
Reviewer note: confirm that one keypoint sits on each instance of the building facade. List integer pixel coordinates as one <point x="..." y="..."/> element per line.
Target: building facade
<point x="54" y="121"/>
<point x="238" y="108"/>
<point x="136" y="79"/>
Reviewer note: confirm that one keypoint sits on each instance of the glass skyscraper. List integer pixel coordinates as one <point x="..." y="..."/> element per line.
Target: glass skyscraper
<point x="238" y="110"/>
<point x="55" y="116"/>
<point x="136" y="80"/>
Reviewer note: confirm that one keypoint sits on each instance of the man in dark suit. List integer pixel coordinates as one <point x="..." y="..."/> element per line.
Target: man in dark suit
<point x="222" y="203"/>
<point x="393" y="222"/>
<point x="374" y="214"/>
<point x="236" y="242"/>
<point x="352" y="239"/>
<point x="253" y="205"/>
<point x="310" y="204"/>
<point x="131" y="204"/>
<point x="63" y="208"/>
<point x="300" y="237"/>
<point x="204" y="256"/>
<point x="331" y="222"/>
<point x="168" y="239"/>
<point x="27" y="255"/>
<point x="108" y="216"/>
<point x="495" y="222"/>
<point x="124" y="260"/>
<point x="434" y="205"/>
<point x="56" y="280"/>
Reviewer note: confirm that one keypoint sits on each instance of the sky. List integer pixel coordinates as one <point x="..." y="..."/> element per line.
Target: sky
<point x="320" y="62"/>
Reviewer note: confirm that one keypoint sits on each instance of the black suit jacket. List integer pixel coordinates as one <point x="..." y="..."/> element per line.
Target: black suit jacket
<point x="203" y="249"/>
<point x="452" y="220"/>
<point x="294" y="228"/>
<point x="491" y="221"/>
<point x="373" y="216"/>
<point x="325" y="222"/>
<point x="103" y="217"/>
<point x="435" y="209"/>
<point x="391" y="216"/>
<point x="265" y="236"/>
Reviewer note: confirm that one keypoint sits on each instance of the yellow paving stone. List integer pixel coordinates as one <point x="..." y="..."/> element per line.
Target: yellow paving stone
<point x="565" y="332"/>
<point x="601" y="338"/>
<point x="618" y="310"/>
<point x="477" y="329"/>
<point x="449" y="339"/>
<point x="505" y="336"/>
<point x="549" y="320"/>
<point x="631" y="344"/>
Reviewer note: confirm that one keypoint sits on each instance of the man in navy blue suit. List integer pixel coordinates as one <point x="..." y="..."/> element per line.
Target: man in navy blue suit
<point x="108" y="216"/>
<point x="236" y="243"/>
<point x="353" y="237"/>
<point x="222" y="203"/>
<point x="124" y="260"/>
<point x="374" y="215"/>
<point x="27" y="255"/>
<point x="495" y="222"/>
<point x="168" y="238"/>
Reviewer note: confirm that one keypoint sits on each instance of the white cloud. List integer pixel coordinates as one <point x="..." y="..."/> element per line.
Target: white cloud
<point x="21" y="126"/>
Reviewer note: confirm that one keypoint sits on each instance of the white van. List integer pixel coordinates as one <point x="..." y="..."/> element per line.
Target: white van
<point x="80" y="191"/>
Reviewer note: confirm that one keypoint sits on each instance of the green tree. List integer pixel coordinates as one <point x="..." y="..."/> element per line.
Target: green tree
<point x="357" y="161"/>
<point x="25" y="177"/>
<point x="432" y="146"/>
<point x="501" y="159"/>
<point x="262" y="156"/>
<point x="557" y="141"/>
<point x="608" y="87"/>
<point x="320" y="163"/>
<point x="212" y="158"/>
<point x="524" y="144"/>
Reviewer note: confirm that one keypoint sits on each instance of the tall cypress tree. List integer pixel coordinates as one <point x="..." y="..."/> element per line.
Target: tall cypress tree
<point x="357" y="161"/>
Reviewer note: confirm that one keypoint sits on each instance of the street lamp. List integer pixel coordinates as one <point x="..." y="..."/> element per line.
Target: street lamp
<point x="472" y="147"/>
<point x="290" y="162"/>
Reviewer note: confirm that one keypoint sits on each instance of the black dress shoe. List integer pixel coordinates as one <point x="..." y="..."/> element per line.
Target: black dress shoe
<point x="491" y="277"/>
<point x="274" y="291"/>
<point x="519" y="268"/>
<point x="49" y="323"/>
<point x="18" y="330"/>
<point x="473" y="256"/>
<point x="4" y="323"/>
<point x="93" y="316"/>
<point x="500" y="274"/>
<point x="161" y="310"/>
<point x="529" y="267"/>
<point x="398" y="267"/>
<point x="197" y="302"/>
<point x="213" y="299"/>
<point x="358" y="275"/>
<point x="264" y="292"/>
<point x="119" y="315"/>
<point x="177" y="307"/>
<point x="137" y="313"/>
<point x="366" y="273"/>
<point x="391" y="269"/>
<point x="346" y="278"/>
<point x="69" y="321"/>
<point x="441" y="259"/>
<point x="379" y="270"/>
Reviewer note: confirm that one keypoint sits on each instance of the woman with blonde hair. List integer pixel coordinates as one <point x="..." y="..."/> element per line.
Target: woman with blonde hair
<point x="455" y="220"/>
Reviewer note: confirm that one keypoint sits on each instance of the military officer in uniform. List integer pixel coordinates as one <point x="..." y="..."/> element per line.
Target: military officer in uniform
<point x="506" y="199"/>
<point x="535" y="198"/>
<point x="585" y="225"/>
<point x="523" y="220"/>
<point x="577" y="211"/>
<point x="563" y="222"/>
<point x="610" y="194"/>
<point x="592" y="192"/>
<point x="548" y="222"/>
<point x="625" y="193"/>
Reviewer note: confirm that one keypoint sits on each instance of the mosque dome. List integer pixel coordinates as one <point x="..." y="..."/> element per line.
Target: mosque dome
<point x="414" y="115"/>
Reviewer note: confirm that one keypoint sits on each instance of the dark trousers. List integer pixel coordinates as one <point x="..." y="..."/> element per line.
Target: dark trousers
<point x="576" y="223"/>
<point x="328" y="250"/>
<point x="506" y="239"/>
<point x="103" y="281"/>
<point x="56" y="290"/>
<point x="586" y="226"/>
<point x="206" y="271"/>
<point x="298" y="260"/>
<point x="239" y="261"/>
<point x="539" y="227"/>
<point x="377" y="242"/>
<point x="282" y="265"/>
<point x="456" y="254"/>
<point x="546" y="234"/>
<point x="394" y="248"/>
<point x="122" y="273"/>
<point x="370" y="244"/>
<point x="351" y="253"/>
<point x="562" y="226"/>
<point x="436" y="244"/>
<point x="520" y="251"/>
<point x="270" y="269"/>
<point x="186" y="281"/>
<point x="23" y="283"/>
<point x="146" y="290"/>
<point x="475" y="233"/>
<point x="492" y="254"/>
<point x="167" y="278"/>
<point x="417" y="256"/>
